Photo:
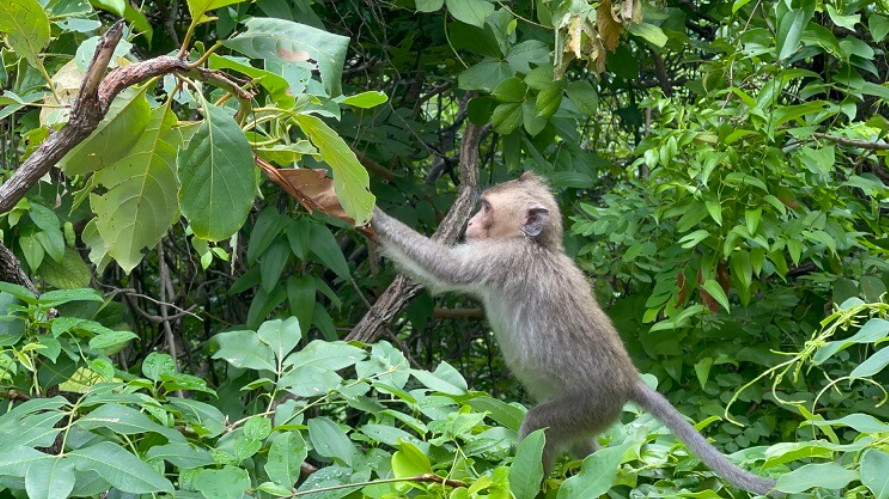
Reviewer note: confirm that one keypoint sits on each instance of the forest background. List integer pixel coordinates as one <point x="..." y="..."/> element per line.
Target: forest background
<point x="172" y="322"/>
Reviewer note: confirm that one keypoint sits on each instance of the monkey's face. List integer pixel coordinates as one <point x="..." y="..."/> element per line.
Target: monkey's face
<point x="499" y="217"/>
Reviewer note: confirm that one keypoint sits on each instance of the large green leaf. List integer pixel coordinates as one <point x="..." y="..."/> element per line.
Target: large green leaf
<point x="139" y="202"/>
<point x="792" y="22"/>
<point x="875" y="472"/>
<point x="824" y="475"/>
<point x="526" y="471"/>
<point x="287" y="42"/>
<point x="114" y="137"/>
<point x="216" y="175"/>
<point x="350" y="179"/>
<point x="244" y="349"/>
<point x="50" y="479"/>
<point x="286" y="454"/>
<point x="228" y="483"/>
<point x="597" y="474"/>
<point x="27" y="28"/>
<point x="330" y="440"/>
<point x="121" y="469"/>
<point x="280" y="335"/>
<point x="472" y="12"/>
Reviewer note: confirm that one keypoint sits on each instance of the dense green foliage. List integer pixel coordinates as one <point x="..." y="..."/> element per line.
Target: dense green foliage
<point x="722" y="171"/>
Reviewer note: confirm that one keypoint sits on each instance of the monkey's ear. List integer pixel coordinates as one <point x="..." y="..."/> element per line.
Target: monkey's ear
<point x="535" y="220"/>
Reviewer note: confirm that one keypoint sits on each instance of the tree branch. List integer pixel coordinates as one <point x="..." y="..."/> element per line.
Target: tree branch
<point x="390" y="303"/>
<point x="864" y="144"/>
<point x="11" y="270"/>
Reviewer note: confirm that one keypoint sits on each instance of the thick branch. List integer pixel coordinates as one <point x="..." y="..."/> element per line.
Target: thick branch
<point x="864" y="144"/>
<point x="371" y="326"/>
<point x="11" y="270"/>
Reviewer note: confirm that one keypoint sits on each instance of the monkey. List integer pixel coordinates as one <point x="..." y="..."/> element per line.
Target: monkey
<point x="554" y="337"/>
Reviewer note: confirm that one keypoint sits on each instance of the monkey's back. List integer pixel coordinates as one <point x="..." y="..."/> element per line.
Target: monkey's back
<point x="553" y="334"/>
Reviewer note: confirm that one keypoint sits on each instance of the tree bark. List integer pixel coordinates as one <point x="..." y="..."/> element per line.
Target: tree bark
<point x="396" y="296"/>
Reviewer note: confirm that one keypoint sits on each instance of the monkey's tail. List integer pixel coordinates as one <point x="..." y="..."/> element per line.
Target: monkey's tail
<point x="662" y="409"/>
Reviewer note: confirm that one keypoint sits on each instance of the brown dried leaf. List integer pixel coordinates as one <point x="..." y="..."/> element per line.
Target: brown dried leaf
<point x="311" y="188"/>
<point x="609" y="27"/>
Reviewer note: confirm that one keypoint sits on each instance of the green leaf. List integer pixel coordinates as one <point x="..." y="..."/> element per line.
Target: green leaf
<point x="505" y="414"/>
<point x="113" y="6"/>
<point x="71" y="273"/>
<point x="287" y="42"/>
<point x="181" y="455"/>
<point x="198" y="8"/>
<point x="309" y="381"/>
<point x="874" y="364"/>
<point x="158" y="364"/>
<point x="715" y="211"/>
<point x="329" y="440"/>
<point x="526" y="471"/>
<point x="365" y="100"/>
<point x="116" y="134"/>
<point x="228" y="483"/>
<point x="139" y="202"/>
<point x="125" y="421"/>
<point x="509" y="90"/>
<point x="244" y="349"/>
<point x="715" y="290"/>
<point x="121" y="469"/>
<point x="50" y="479"/>
<point x="873" y="330"/>
<point x="649" y="32"/>
<point x="792" y="23"/>
<point x="350" y="179"/>
<point x="583" y="95"/>
<point x="507" y="117"/>
<point x="111" y="339"/>
<point x="217" y="177"/>
<point x="823" y="475"/>
<point x="485" y="75"/>
<point x="445" y="379"/>
<point x="410" y="461"/>
<point x="301" y="299"/>
<point x="286" y="454"/>
<point x="548" y="100"/>
<point x="27" y="28"/>
<point x="16" y="460"/>
<point x="429" y="5"/>
<point x="472" y="12"/>
<point x="280" y="335"/>
<point x="874" y="465"/>
<point x="331" y="356"/>
<point x="325" y="247"/>
<point x="597" y="474"/>
<point x="847" y="21"/>
<point x="879" y="27"/>
<point x="522" y="55"/>
<point x="272" y="264"/>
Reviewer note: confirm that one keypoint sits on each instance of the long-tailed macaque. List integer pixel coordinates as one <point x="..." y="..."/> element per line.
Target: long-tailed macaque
<point x="555" y="339"/>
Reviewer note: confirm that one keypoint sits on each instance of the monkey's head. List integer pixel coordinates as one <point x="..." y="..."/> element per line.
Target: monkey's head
<point x="521" y="208"/>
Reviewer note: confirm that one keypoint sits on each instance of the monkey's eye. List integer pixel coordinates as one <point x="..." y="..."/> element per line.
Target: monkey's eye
<point x="486" y="206"/>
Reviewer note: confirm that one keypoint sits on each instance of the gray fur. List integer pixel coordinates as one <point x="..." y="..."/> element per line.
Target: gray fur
<point x="555" y="339"/>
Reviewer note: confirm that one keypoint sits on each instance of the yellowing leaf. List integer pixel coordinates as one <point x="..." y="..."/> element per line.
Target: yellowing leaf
<point x="140" y="202"/>
<point x="27" y="28"/>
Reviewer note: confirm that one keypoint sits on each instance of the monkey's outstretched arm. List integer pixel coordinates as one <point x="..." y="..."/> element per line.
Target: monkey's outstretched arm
<point x="433" y="264"/>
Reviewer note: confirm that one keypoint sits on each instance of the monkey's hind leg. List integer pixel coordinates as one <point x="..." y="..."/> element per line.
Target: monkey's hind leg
<point x="584" y="447"/>
<point x="567" y="419"/>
